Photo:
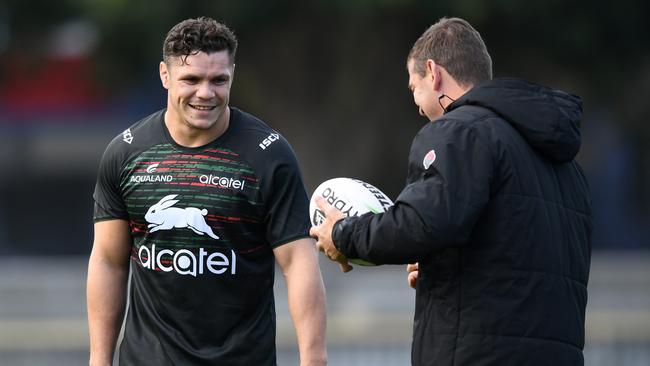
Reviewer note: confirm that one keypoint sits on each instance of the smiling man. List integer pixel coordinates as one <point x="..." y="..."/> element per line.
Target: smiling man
<point x="200" y="200"/>
<point x="198" y="86"/>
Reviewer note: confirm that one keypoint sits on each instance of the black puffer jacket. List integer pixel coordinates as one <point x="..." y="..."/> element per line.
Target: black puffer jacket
<point x="497" y="213"/>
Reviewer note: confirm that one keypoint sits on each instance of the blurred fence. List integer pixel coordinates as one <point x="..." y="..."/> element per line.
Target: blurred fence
<point x="370" y="310"/>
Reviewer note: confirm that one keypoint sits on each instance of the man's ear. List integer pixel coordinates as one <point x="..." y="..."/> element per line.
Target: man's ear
<point x="433" y="71"/>
<point x="164" y="74"/>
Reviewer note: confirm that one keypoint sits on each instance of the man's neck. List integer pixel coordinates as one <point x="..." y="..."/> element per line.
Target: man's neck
<point x="456" y="90"/>
<point x="188" y="136"/>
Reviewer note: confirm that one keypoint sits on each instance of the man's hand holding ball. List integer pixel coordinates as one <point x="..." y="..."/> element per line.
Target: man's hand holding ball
<point x="323" y="234"/>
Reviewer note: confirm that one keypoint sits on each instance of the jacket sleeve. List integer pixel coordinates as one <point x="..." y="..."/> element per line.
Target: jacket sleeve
<point x="450" y="171"/>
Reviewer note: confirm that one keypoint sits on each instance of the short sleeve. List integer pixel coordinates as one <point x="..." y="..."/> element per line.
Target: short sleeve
<point x="107" y="196"/>
<point x="286" y="202"/>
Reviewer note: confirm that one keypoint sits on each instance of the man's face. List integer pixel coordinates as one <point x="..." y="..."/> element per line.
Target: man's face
<point x="424" y="95"/>
<point x="199" y="89"/>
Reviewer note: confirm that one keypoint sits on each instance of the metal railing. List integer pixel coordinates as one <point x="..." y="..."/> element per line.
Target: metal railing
<point x="370" y="311"/>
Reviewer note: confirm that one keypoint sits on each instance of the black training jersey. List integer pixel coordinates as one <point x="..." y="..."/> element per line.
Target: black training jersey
<point x="204" y="222"/>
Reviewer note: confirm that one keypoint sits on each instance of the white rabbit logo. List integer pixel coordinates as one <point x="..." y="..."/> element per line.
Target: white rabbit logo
<point x="161" y="216"/>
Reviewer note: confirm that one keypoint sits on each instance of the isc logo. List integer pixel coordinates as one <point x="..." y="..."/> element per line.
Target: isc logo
<point x="127" y="136"/>
<point x="269" y="140"/>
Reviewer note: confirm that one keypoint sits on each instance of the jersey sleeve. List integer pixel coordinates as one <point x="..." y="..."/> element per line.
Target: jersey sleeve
<point x="107" y="195"/>
<point x="450" y="170"/>
<point x="283" y="191"/>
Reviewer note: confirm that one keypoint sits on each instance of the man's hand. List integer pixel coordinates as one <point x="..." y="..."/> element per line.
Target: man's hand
<point x="412" y="277"/>
<point x="323" y="234"/>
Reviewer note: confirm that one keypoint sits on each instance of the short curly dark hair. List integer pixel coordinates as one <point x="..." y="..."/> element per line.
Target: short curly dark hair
<point x="198" y="35"/>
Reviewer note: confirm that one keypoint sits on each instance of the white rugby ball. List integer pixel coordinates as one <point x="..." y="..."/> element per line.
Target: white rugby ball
<point x="351" y="196"/>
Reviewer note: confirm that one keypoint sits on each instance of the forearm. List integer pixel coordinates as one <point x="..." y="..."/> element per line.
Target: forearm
<point x="429" y="215"/>
<point x="387" y="238"/>
<point x="306" y="296"/>
<point x="106" y="297"/>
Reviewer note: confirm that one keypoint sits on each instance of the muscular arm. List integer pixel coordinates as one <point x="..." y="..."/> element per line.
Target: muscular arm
<point x="108" y="271"/>
<point x="306" y="296"/>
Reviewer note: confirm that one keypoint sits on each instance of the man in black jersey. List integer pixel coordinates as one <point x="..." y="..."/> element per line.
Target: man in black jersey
<point x="495" y="218"/>
<point x="200" y="200"/>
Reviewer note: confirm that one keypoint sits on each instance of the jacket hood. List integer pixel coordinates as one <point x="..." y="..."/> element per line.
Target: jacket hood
<point x="548" y="119"/>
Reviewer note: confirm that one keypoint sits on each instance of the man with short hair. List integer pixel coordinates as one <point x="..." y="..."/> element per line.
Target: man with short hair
<point x="495" y="218"/>
<point x="201" y="199"/>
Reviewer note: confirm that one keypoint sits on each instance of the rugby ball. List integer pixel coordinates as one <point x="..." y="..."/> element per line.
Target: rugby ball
<point x="351" y="196"/>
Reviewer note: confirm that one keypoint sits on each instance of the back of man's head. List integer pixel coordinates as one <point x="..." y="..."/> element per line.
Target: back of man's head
<point x="455" y="45"/>
<point x="198" y="35"/>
